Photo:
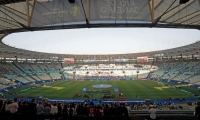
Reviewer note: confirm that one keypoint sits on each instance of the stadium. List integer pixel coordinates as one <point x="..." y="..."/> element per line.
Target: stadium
<point x="103" y="77"/>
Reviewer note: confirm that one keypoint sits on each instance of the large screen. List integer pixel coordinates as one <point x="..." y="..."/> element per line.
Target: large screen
<point x="142" y="59"/>
<point x="68" y="60"/>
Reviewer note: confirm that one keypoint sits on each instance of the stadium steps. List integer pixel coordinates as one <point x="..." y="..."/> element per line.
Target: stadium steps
<point x="62" y="72"/>
<point x="34" y="72"/>
<point x="37" y="76"/>
<point x="1" y="75"/>
<point x="164" y="72"/>
<point x="45" y="71"/>
<point x="192" y="77"/>
<point x="48" y="73"/>
<point x="170" y="69"/>
<point x="23" y="71"/>
<point x="149" y="74"/>
<point x="180" y="71"/>
<point x="194" y="74"/>
<point x="18" y="73"/>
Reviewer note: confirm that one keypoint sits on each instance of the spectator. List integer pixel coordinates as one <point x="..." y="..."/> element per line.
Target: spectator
<point x="40" y="108"/>
<point x="47" y="109"/>
<point x="1" y="106"/>
<point x="65" y="110"/>
<point x="13" y="106"/>
<point x="71" y="111"/>
<point x="112" y="110"/>
<point x="98" y="111"/>
<point x="59" y="110"/>
<point x="54" y="109"/>
<point x="197" y="111"/>
<point x="152" y="112"/>
<point x="32" y="107"/>
<point x="79" y="110"/>
<point x="91" y="110"/>
<point x="124" y="110"/>
<point x="24" y="108"/>
<point x="7" y="109"/>
<point x="106" y="110"/>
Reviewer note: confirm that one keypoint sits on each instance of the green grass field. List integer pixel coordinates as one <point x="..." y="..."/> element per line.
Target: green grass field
<point x="143" y="89"/>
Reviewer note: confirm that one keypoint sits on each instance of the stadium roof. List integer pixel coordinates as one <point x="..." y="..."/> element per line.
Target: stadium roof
<point x="34" y="15"/>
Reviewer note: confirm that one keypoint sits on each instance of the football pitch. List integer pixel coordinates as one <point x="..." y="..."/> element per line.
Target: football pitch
<point x="132" y="90"/>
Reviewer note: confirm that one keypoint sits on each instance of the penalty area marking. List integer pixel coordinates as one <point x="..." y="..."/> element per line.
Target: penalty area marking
<point x="57" y="88"/>
<point x="161" y="88"/>
<point x="47" y="86"/>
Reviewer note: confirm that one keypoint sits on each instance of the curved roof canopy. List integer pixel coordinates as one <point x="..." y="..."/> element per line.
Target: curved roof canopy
<point x="33" y="15"/>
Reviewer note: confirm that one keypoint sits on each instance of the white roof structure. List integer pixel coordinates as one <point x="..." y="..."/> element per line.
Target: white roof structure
<point x="36" y="15"/>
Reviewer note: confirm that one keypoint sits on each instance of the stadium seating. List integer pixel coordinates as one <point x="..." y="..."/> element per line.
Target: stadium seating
<point x="178" y="70"/>
<point x="184" y="70"/>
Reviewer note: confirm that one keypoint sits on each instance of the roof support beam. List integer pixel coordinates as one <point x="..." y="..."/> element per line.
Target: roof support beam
<point x="191" y="18"/>
<point x="32" y="11"/>
<point x="9" y="22"/>
<point x="152" y="12"/>
<point x="3" y="2"/>
<point x="88" y="10"/>
<point x="13" y="13"/>
<point x="185" y="16"/>
<point x="27" y="12"/>
<point x="158" y="4"/>
<point x="5" y="27"/>
<point x="151" y="9"/>
<point x="194" y="22"/>
<point x="14" y="10"/>
<point x="179" y="11"/>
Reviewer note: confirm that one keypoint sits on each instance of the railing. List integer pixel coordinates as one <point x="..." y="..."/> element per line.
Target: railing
<point x="165" y="114"/>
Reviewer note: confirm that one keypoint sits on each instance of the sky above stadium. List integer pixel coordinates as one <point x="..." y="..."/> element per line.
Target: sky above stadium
<point x="103" y="40"/>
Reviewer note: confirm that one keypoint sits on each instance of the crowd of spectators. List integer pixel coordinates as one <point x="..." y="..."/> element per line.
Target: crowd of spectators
<point x="63" y="109"/>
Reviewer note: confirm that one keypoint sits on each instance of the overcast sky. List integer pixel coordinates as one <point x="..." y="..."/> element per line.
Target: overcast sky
<point x="103" y="40"/>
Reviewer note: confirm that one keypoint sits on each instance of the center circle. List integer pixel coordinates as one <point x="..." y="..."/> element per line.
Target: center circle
<point x="101" y="86"/>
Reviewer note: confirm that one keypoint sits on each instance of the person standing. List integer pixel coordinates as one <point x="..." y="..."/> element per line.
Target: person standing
<point x="39" y="108"/>
<point x="91" y="110"/>
<point x="124" y="110"/>
<point x="13" y="106"/>
<point x="54" y="111"/>
<point x="40" y="111"/>
<point x="197" y="111"/>
<point x="152" y="112"/>
<point x="32" y="110"/>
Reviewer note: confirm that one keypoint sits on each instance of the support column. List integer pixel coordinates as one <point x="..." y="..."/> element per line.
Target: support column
<point x="27" y="12"/>
<point x="32" y="11"/>
<point x="88" y="10"/>
<point x="152" y="8"/>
